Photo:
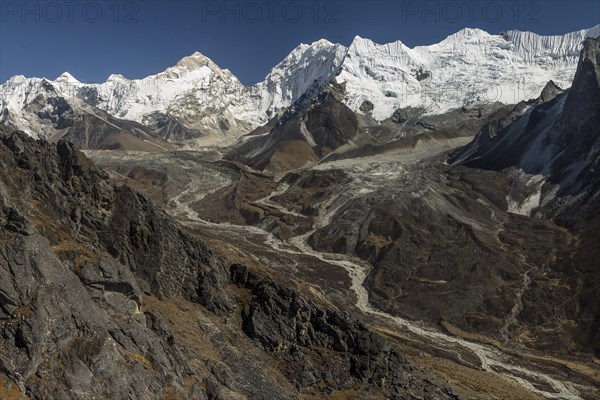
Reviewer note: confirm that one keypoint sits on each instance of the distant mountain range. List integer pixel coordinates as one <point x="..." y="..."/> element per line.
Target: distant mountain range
<point x="197" y="100"/>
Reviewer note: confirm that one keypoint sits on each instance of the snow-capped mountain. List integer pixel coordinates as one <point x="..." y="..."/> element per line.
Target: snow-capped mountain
<point x="196" y="98"/>
<point x="195" y="93"/>
<point x="467" y="67"/>
<point x="306" y="70"/>
<point x="36" y="106"/>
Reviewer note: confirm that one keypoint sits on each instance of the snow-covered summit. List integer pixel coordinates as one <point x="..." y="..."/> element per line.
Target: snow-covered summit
<point x="116" y="78"/>
<point x="306" y="69"/>
<point x="67" y="77"/>
<point x="187" y="65"/>
<point x="468" y="33"/>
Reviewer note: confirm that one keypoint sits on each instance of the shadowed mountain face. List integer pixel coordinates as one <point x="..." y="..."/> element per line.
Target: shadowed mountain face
<point x="104" y="132"/>
<point x="557" y="140"/>
<point x="300" y="136"/>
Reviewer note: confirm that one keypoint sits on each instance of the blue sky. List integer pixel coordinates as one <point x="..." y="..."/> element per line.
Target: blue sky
<point x="92" y="39"/>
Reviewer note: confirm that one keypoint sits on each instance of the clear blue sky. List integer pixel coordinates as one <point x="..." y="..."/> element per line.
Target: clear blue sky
<point x="92" y="39"/>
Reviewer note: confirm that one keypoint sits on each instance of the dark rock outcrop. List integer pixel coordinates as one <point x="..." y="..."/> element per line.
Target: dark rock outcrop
<point x="550" y="91"/>
<point x="323" y="348"/>
<point x="78" y="198"/>
<point x="366" y="106"/>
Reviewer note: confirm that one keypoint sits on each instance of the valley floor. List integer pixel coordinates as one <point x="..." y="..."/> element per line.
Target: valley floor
<point x="249" y="219"/>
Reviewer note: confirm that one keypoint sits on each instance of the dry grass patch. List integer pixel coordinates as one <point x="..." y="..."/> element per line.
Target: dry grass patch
<point x="139" y="358"/>
<point x="79" y="254"/>
<point x="10" y="391"/>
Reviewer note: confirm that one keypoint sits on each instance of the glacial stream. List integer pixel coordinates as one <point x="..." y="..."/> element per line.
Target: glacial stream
<point x="490" y="359"/>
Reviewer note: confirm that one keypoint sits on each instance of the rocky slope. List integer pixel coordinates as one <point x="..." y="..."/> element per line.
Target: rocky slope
<point x="103" y="294"/>
<point x="302" y="135"/>
<point x="325" y="348"/>
<point x="326" y="130"/>
<point x="78" y="258"/>
<point x="439" y="230"/>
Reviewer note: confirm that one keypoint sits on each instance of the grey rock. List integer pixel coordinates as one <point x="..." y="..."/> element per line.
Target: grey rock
<point x="295" y="330"/>
<point x="366" y="106"/>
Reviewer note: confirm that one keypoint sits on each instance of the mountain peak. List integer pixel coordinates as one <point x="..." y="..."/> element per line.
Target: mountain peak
<point x="468" y="33"/>
<point x="66" y="77"/>
<point x="550" y="91"/>
<point x="116" y="78"/>
<point x="362" y="45"/>
<point x="583" y="100"/>
<point x="322" y="42"/>
<point x="188" y="64"/>
<point x="17" y="79"/>
<point x="366" y="46"/>
<point x="388" y="75"/>
<point x="359" y="41"/>
<point x="193" y="60"/>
